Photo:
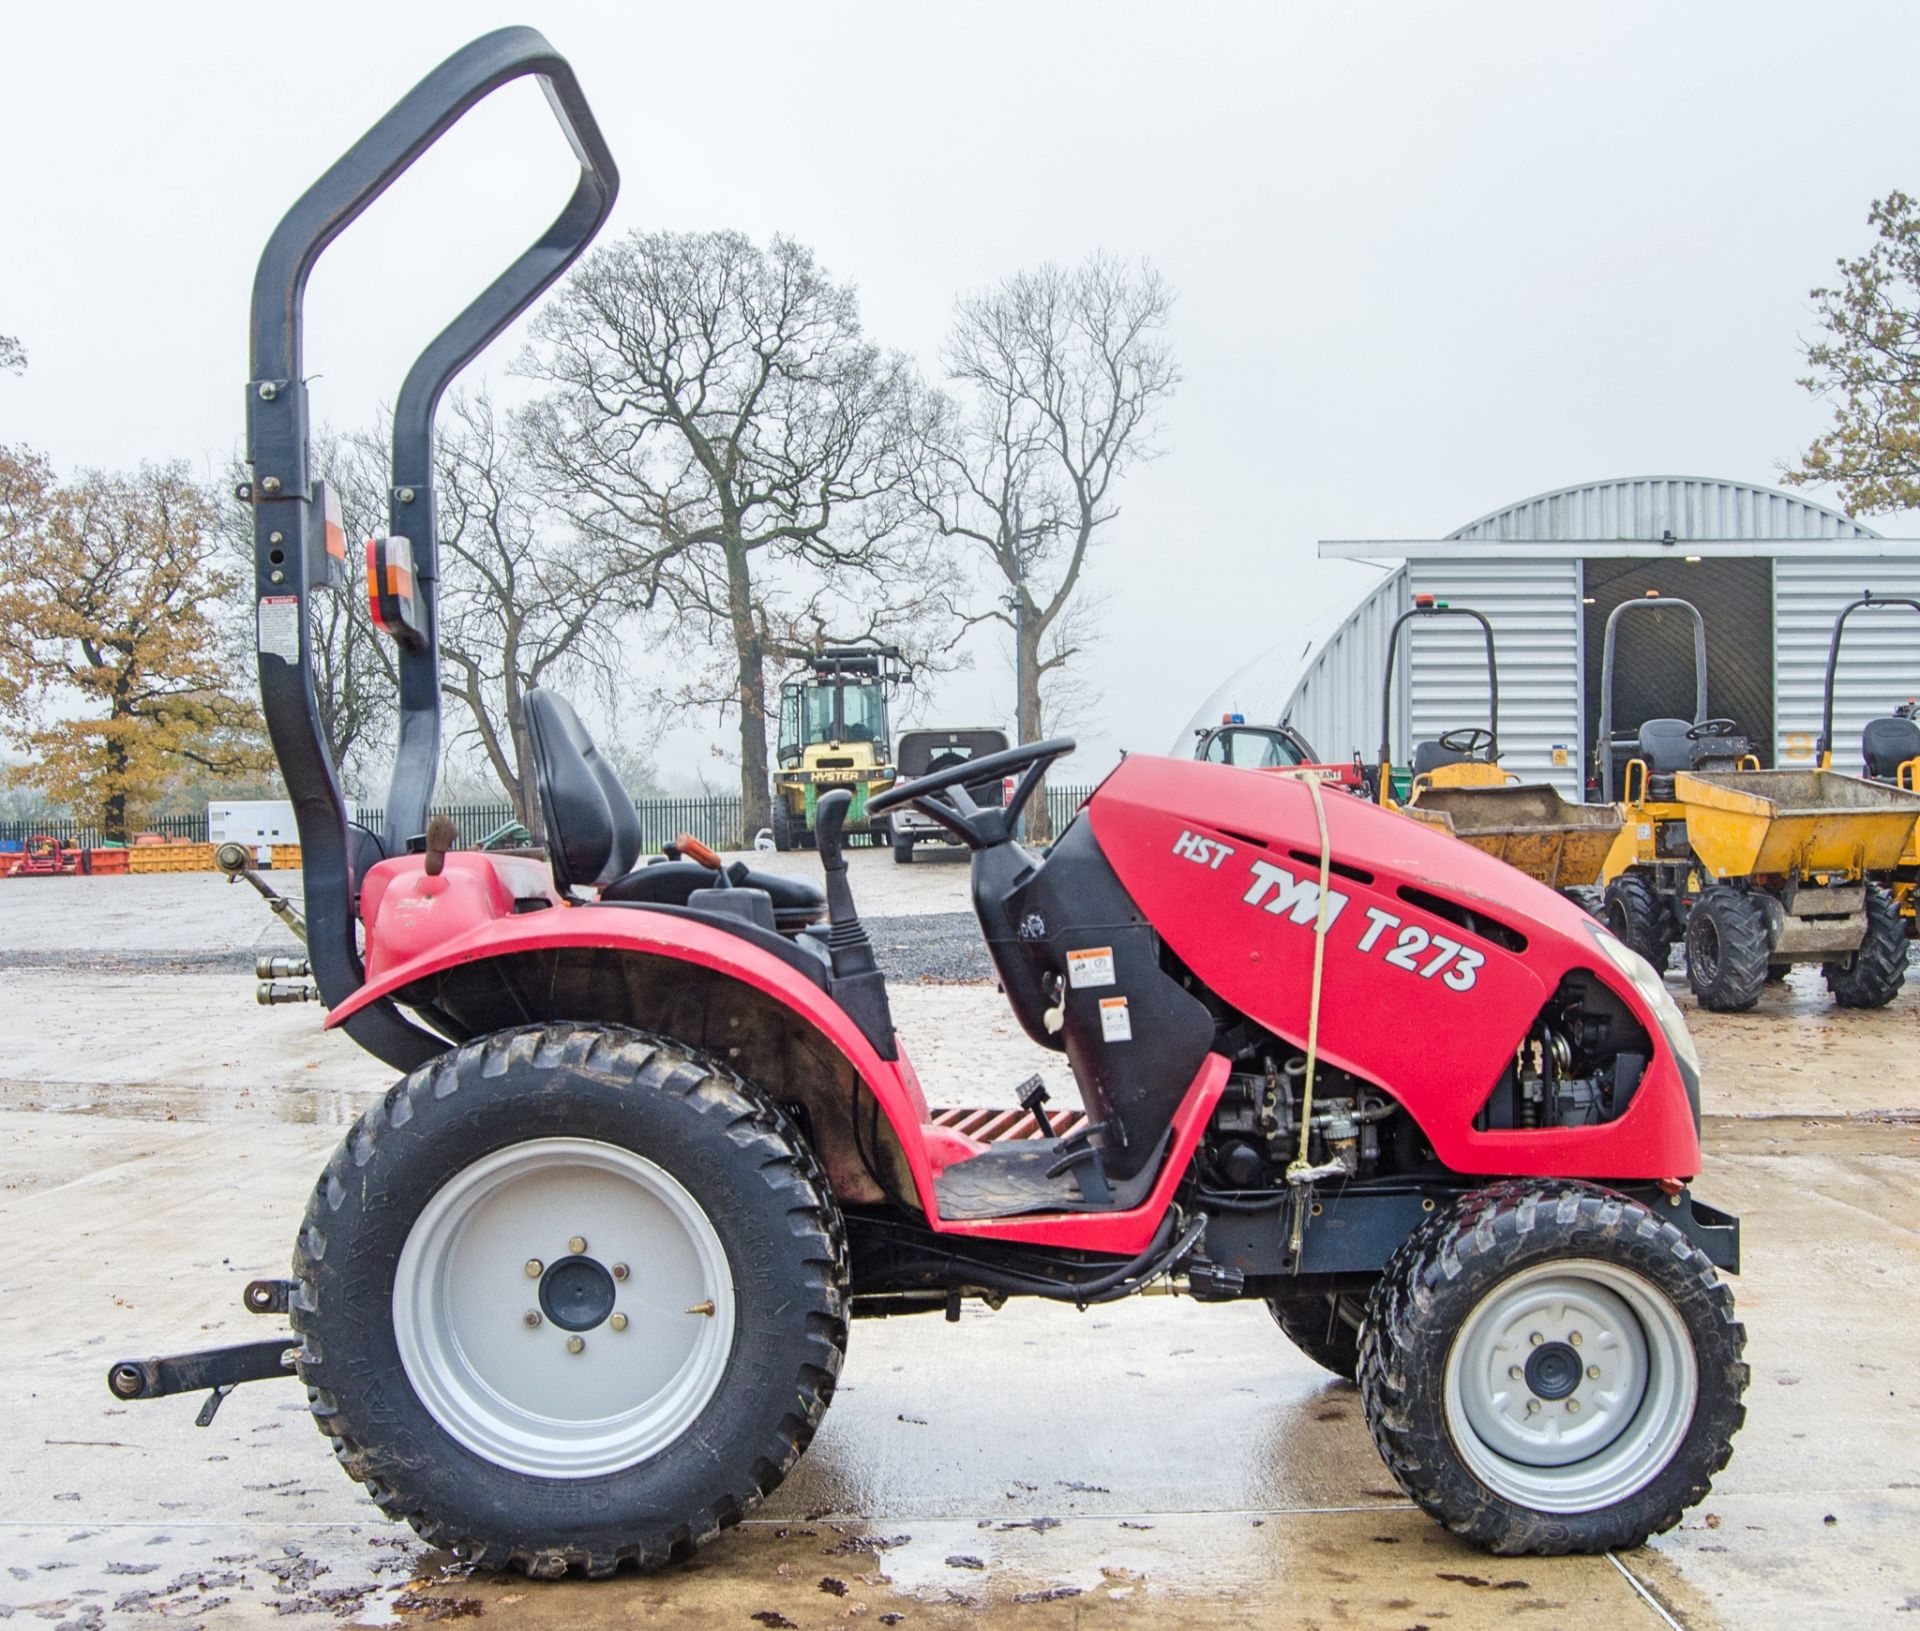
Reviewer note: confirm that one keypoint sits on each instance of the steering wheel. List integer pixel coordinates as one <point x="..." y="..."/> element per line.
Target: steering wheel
<point x="1468" y="740"/>
<point x="943" y="795"/>
<point x="1713" y="730"/>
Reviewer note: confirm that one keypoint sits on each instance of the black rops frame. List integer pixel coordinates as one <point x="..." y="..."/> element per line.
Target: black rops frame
<point x="282" y="489"/>
<point x="1868" y="601"/>
<point x="1603" y="749"/>
<point x="1493" y="676"/>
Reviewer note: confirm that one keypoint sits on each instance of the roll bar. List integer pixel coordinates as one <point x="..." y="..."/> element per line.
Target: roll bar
<point x="287" y="522"/>
<point x="1432" y="608"/>
<point x="1603" y="749"/>
<point x="1823" y="751"/>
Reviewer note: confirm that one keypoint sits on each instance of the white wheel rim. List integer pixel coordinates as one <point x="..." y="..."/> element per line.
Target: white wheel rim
<point x="511" y="1389"/>
<point x="1635" y="1386"/>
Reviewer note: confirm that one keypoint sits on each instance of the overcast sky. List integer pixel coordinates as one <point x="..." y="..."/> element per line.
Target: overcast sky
<point x="1429" y="258"/>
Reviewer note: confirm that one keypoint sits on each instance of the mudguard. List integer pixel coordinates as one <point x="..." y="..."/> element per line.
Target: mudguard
<point x="1225" y="864"/>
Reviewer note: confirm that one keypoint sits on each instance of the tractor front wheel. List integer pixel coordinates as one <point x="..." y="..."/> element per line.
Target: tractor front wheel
<point x="1638" y="917"/>
<point x="1547" y="1367"/>
<point x="782" y="827"/>
<point x="1323" y="1326"/>
<point x="570" y="1297"/>
<point x="1873" y="975"/>
<point x="1727" y="949"/>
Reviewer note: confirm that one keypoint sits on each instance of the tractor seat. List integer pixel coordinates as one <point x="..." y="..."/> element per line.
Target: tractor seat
<point x="1666" y="747"/>
<point x="1429" y="756"/>
<point x="594" y="836"/>
<point x="1887" y="744"/>
<point x="796" y="903"/>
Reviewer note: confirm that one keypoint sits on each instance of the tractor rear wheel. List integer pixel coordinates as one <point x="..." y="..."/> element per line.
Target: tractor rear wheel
<point x="1547" y="1367"/>
<point x="782" y="827"/>
<point x="1323" y="1326"/>
<point x="570" y="1297"/>
<point x="1638" y="917"/>
<point x="1727" y="949"/>
<point x="1873" y="975"/>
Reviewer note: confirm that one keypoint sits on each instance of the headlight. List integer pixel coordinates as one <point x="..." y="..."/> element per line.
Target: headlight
<point x="1646" y="980"/>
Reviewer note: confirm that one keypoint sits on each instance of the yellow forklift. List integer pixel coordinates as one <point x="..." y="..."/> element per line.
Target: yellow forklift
<point x="835" y="731"/>
<point x="1456" y="782"/>
<point x="1756" y="869"/>
<point x="1889" y="751"/>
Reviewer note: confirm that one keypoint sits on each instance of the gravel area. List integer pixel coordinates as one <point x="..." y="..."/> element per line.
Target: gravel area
<point x="937" y="946"/>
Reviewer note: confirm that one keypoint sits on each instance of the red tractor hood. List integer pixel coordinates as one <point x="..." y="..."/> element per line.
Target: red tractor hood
<point x="1438" y="958"/>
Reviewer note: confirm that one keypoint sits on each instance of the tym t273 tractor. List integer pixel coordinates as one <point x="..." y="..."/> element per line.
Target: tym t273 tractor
<point x="576" y="1292"/>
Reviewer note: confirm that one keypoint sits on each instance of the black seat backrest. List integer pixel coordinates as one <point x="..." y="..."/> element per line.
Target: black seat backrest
<point x="1665" y="745"/>
<point x="1431" y="756"/>
<point x="593" y="830"/>
<point x="1887" y="744"/>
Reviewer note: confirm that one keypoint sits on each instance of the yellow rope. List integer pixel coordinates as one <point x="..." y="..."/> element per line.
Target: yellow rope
<point x="1300" y="1162"/>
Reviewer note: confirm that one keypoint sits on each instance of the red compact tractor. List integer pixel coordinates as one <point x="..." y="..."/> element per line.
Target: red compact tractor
<point x="576" y="1292"/>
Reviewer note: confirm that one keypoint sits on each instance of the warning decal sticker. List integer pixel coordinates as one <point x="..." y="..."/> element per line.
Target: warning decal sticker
<point x="1116" y="1025"/>
<point x="280" y="627"/>
<point x="1093" y="966"/>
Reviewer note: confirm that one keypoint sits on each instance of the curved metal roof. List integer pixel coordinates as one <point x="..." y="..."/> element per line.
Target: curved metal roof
<point x="1646" y="508"/>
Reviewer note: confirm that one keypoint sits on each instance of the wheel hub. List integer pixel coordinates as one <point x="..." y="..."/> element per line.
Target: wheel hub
<point x="577" y="1293"/>
<point x="1554" y="1370"/>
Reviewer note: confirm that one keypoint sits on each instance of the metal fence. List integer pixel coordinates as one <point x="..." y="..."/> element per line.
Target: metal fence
<point x="714" y="821"/>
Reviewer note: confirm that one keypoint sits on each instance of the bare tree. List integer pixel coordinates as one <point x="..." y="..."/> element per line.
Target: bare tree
<point x="523" y="602"/>
<point x="719" y="418"/>
<point x="1063" y="373"/>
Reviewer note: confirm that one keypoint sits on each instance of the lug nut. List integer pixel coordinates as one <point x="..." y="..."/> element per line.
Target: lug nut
<point x="530" y="1318"/>
<point x="577" y="1245"/>
<point x="1593" y="1373"/>
<point x="618" y="1322"/>
<point x="1573" y="1407"/>
<point x="1514" y="1371"/>
<point x="1574" y="1338"/>
<point x="621" y="1271"/>
<point x="1533" y="1407"/>
<point x="576" y="1345"/>
<point x="535" y="1268"/>
<point x="1536" y="1339"/>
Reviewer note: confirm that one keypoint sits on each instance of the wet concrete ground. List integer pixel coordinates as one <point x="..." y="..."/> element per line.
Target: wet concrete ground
<point x="1151" y="1462"/>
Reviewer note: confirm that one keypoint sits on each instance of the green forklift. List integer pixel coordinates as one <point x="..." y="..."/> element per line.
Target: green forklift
<point x="835" y="731"/>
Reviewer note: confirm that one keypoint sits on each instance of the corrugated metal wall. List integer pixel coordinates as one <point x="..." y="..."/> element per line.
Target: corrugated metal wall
<point x="1336" y="705"/>
<point x="1534" y="607"/>
<point x="1879" y="661"/>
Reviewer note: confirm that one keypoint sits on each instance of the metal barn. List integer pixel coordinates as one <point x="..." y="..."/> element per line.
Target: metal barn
<point x="1768" y="570"/>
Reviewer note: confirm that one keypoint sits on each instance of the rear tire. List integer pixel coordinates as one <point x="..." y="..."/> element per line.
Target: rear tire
<point x="1589" y="899"/>
<point x="782" y="828"/>
<point x="1727" y="950"/>
<point x="1324" y="1327"/>
<point x="1873" y="976"/>
<point x="440" y="1364"/>
<point x="1637" y="916"/>
<point x="1554" y="1280"/>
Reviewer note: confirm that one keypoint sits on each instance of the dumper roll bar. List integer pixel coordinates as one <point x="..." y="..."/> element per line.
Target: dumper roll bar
<point x="1424" y="606"/>
<point x="1603" y="749"/>
<point x="288" y="526"/>
<point x="1823" y="750"/>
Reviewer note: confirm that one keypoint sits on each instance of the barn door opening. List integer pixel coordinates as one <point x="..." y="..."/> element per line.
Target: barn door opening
<point x="1654" y="673"/>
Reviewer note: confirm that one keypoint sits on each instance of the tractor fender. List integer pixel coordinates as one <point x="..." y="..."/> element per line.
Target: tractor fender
<point x="463" y="949"/>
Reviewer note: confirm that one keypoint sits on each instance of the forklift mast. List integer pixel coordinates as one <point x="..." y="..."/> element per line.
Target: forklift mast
<point x="298" y="553"/>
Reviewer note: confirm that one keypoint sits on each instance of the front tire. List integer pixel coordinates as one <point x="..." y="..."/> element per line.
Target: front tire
<point x="1547" y="1367"/>
<point x="1638" y="917"/>
<point x="1873" y="975"/>
<point x="1727" y="950"/>
<point x="782" y="828"/>
<point x="902" y="848"/>
<point x="1325" y="1327"/>
<point x="570" y="1297"/>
